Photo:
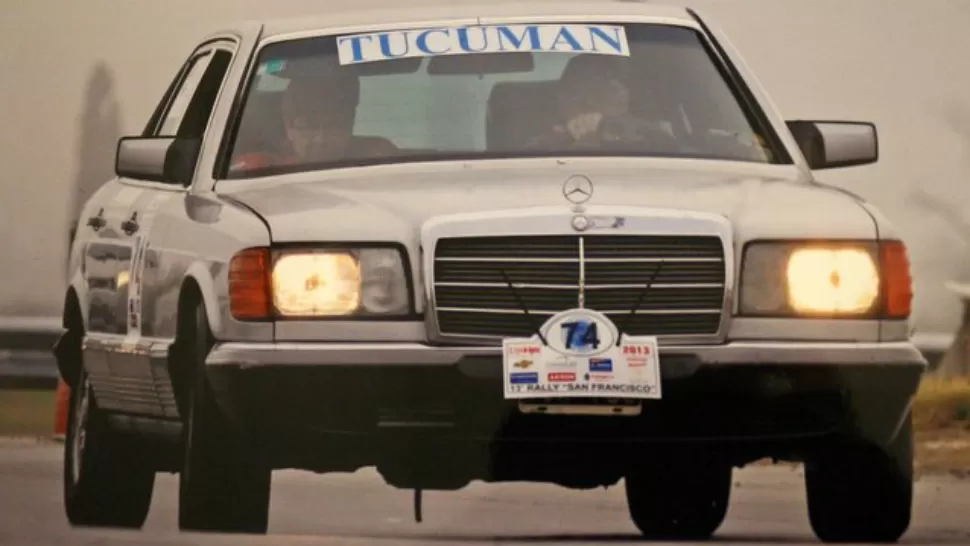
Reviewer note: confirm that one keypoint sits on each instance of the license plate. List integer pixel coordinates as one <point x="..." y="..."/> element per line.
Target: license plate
<point x="566" y="406"/>
<point x="580" y="354"/>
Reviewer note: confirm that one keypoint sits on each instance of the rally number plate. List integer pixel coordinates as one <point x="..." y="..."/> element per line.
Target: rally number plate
<point x="580" y="354"/>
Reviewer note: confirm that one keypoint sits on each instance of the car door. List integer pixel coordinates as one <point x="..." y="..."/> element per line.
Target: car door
<point x="105" y="255"/>
<point x="140" y="224"/>
<point x="135" y="377"/>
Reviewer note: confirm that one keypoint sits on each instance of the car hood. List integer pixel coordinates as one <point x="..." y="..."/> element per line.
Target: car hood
<point x="391" y="203"/>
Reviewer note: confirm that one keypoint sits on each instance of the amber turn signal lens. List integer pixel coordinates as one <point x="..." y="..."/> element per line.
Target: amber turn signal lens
<point x="249" y="294"/>
<point x="897" y="282"/>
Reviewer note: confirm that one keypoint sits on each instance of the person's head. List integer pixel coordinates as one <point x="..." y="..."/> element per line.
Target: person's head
<point x="319" y="106"/>
<point x="593" y="84"/>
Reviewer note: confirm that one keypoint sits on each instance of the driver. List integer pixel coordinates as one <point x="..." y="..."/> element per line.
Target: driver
<point x="593" y="106"/>
<point x="590" y="91"/>
<point x="318" y="109"/>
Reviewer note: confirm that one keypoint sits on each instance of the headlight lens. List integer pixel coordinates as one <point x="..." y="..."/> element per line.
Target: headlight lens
<point x="317" y="283"/>
<point x="313" y="284"/>
<point x="320" y="283"/>
<point x="832" y="280"/>
<point x="838" y="279"/>
<point x="384" y="286"/>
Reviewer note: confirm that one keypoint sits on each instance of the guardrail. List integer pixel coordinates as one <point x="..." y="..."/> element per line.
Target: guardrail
<point x="933" y="346"/>
<point x="26" y="360"/>
<point x="955" y="362"/>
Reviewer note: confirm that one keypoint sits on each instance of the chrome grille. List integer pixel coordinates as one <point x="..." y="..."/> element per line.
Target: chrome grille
<point x="472" y="296"/>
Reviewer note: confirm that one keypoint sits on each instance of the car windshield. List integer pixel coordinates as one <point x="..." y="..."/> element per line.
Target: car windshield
<point x="492" y="91"/>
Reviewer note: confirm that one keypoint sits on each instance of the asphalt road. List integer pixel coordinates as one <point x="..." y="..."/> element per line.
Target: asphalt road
<point x="768" y="506"/>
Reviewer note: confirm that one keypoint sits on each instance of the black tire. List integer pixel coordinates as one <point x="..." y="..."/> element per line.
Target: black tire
<point x="858" y="492"/>
<point x="109" y="478"/>
<point x="224" y="485"/>
<point x="679" y="500"/>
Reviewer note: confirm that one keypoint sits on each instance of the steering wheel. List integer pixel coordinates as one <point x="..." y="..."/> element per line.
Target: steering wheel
<point x="622" y="131"/>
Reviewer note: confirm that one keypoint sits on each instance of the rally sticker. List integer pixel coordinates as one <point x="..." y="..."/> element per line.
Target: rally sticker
<point x="136" y="267"/>
<point x="440" y="41"/>
<point x="578" y="356"/>
<point x="273" y="66"/>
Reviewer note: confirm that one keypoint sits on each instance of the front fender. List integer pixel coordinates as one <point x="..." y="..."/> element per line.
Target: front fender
<point x="203" y="277"/>
<point x="212" y="280"/>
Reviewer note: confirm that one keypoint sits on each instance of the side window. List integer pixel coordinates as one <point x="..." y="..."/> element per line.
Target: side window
<point x="189" y="106"/>
<point x="195" y="116"/>
<point x="172" y="118"/>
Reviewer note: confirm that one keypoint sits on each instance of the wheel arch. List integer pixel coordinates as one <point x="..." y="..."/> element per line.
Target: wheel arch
<point x="67" y="350"/>
<point x="191" y="293"/>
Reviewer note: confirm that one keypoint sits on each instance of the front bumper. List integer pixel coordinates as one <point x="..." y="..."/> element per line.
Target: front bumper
<point x="676" y="361"/>
<point x="287" y="393"/>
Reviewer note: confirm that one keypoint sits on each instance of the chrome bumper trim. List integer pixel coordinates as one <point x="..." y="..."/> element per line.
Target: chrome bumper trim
<point x="255" y="355"/>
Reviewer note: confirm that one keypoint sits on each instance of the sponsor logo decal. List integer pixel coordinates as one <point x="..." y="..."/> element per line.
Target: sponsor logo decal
<point x="601" y="365"/>
<point x="524" y="350"/>
<point x="529" y="378"/>
<point x="562" y="376"/>
<point x="562" y="363"/>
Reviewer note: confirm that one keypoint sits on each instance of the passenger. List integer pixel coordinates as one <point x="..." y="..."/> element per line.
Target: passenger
<point x="318" y="110"/>
<point x="593" y="106"/>
<point x="588" y="92"/>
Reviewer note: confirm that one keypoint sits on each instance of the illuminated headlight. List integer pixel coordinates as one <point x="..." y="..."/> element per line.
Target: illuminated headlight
<point x="810" y="279"/>
<point x="326" y="283"/>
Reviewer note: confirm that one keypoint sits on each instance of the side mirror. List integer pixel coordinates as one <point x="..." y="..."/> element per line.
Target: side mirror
<point x="169" y="160"/>
<point x="836" y="144"/>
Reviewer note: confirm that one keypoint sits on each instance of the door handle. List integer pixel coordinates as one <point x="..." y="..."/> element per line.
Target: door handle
<point x="130" y="226"/>
<point x="97" y="222"/>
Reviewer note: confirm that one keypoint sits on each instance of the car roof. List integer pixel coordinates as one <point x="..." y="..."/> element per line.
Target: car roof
<point x="615" y="10"/>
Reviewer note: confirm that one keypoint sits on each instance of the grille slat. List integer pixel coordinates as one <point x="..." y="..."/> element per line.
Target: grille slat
<point x="472" y="297"/>
<point x="537" y="298"/>
<point x="498" y="247"/>
<point x="545" y="273"/>
<point x="670" y="272"/>
<point x="518" y="325"/>
<point x="568" y="273"/>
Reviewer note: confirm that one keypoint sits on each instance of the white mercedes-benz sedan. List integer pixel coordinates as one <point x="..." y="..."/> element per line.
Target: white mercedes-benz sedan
<point x="571" y="243"/>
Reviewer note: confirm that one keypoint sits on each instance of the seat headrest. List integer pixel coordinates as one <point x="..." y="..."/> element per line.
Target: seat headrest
<point x="590" y="66"/>
<point x="519" y="111"/>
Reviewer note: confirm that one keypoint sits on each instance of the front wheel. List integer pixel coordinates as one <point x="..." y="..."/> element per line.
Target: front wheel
<point x="679" y="500"/>
<point x="224" y="486"/>
<point x="858" y="492"/>
<point x="108" y="477"/>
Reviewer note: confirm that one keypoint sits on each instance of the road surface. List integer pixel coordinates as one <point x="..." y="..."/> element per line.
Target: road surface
<point x="768" y="507"/>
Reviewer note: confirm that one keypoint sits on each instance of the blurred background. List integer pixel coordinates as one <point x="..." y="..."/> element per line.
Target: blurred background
<point x="78" y="75"/>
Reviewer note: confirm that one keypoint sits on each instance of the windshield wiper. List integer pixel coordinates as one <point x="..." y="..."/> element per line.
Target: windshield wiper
<point x="621" y="330"/>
